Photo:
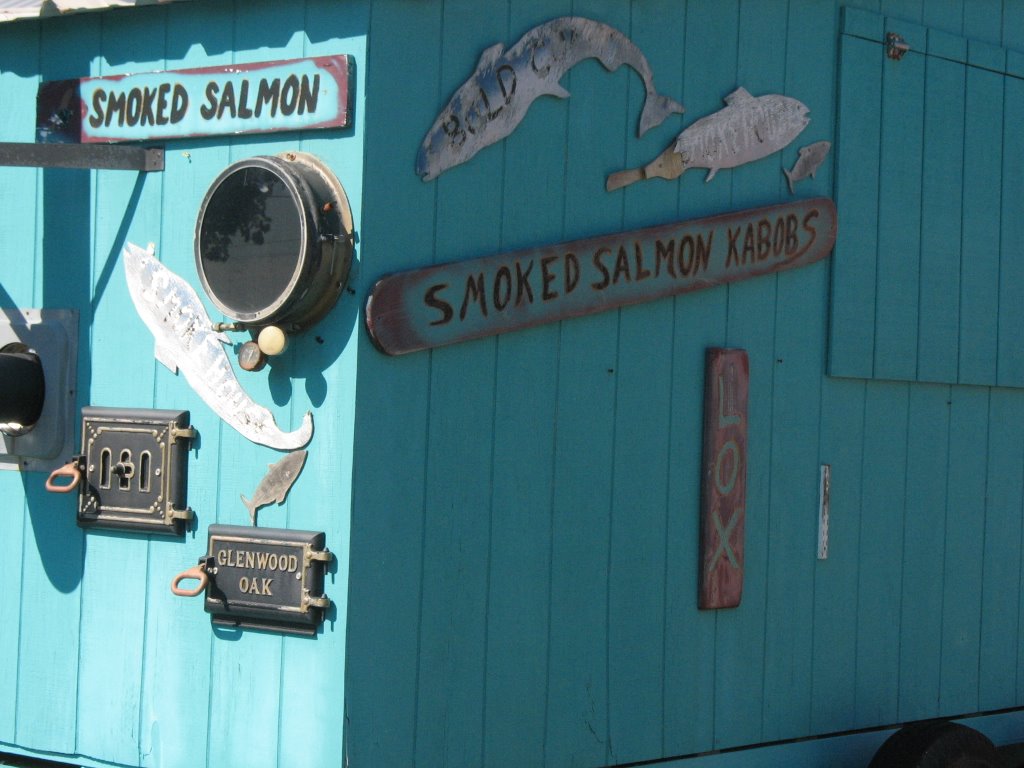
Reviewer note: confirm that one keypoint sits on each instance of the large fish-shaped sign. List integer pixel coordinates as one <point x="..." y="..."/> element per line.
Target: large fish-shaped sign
<point x="490" y="105"/>
<point x="748" y="128"/>
<point x="185" y="340"/>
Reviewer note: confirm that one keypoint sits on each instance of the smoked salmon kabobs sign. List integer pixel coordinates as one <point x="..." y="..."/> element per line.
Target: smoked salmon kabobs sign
<point x="448" y="303"/>
<point x="240" y="98"/>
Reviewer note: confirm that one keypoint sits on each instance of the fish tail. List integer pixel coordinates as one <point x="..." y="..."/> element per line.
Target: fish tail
<point x="250" y="506"/>
<point x="656" y="109"/>
<point x="789" y="178"/>
<point x="621" y="179"/>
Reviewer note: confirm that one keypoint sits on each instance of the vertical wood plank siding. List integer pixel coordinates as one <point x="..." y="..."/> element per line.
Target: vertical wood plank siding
<point x="516" y="519"/>
<point x="104" y="664"/>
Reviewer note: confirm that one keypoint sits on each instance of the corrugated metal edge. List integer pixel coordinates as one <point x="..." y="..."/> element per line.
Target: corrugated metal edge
<point x="14" y="10"/>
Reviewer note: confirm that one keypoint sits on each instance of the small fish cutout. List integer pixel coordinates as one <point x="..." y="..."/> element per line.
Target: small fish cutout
<point x="494" y="100"/>
<point x="748" y="128"/>
<point x="807" y="163"/>
<point x="276" y="483"/>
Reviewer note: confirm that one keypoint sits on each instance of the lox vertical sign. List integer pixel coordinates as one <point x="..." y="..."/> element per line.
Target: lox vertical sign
<point x="724" y="478"/>
<point x="247" y="98"/>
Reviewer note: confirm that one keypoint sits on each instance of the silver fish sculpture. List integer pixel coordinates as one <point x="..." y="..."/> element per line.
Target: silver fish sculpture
<point x="748" y="128"/>
<point x="807" y="163"/>
<point x="185" y="340"/>
<point x="491" y="104"/>
<point x="276" y="483"/>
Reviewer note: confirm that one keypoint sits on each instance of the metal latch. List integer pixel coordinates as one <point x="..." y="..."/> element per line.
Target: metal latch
<point x="895" y="46"/>
<point x="308" y="601"/>
<point x="319" y="555"/>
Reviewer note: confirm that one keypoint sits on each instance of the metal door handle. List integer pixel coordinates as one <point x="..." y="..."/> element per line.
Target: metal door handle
<point x="68" y="470"/>
<point x="195" y="572"/>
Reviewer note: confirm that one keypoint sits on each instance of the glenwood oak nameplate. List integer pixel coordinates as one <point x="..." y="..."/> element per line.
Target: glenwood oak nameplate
<point x="444" y="304"/>
<point x="262" y="578"/>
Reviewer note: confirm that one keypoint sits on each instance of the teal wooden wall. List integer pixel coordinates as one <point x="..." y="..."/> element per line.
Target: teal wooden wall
<point x="516" y="518"/>
<point x="525" y="518"/>
<point x="97" y="658"/>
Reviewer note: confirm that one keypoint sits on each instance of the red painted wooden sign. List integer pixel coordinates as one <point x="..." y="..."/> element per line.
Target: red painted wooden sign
<point x="444" y="304"/>
<point x="724" y="478"/>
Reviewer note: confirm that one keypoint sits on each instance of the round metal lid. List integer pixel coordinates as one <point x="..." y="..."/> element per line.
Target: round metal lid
<point x="255" y="236"/>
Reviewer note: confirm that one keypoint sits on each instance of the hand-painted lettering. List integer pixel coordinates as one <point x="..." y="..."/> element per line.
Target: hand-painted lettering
<point x="267" y="95"/>
<point x="217" y="100"/>
<point x="725" y="400"/>
<point x="227" y="101"/>
<point x="431" y="300"/>
<point x="506" y="75"/>
<point x="209" y="109"/>
<point x="474" y="293"/>
<point x="96" y="118"/>
<point x="625" y="269"/>
<point x="244" y="111"/>
<point x="606" y="276"/>
<point x="571" y="270"/>
<point x="638" y="252"/>
<point x="290" y="93"/>
<point x="523" y="283"/>
<point x="621" y="266"/>
<point x="547" y="278"/>
<point x="729" y="457"/>
<point x="664" y="254"/>
<point x="161" y="106"/>
<point x="502" y="288"/>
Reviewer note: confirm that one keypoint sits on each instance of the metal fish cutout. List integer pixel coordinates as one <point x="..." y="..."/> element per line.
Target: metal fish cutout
<point x="491" y="104"/>
<point x="276" y="483"/>
<point x="807" y="163"/>
<point x="748" y="128"/>
<point x="185" y="340"/>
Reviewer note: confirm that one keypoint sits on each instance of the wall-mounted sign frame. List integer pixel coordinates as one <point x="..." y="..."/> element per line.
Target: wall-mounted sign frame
<point x="289" y="95"/>
<point x="444" y="304"/>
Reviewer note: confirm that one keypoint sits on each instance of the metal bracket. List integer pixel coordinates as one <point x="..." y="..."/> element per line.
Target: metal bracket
<point x="322" y="555"/>
<point x="180" y="514"/>
<point x="309" y="601"/>
<point x="113" y="157"/>
<point x="895" y="46"/>
<point x="824" y="493"/>
<point x="189" y="433"/>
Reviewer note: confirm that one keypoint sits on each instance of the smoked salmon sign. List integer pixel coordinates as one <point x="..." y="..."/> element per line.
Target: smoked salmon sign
<point x="244" y="98"/>
<point x="447" y="303"/>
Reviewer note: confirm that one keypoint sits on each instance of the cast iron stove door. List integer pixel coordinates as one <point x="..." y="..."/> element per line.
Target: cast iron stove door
<point x="134" y="464"/>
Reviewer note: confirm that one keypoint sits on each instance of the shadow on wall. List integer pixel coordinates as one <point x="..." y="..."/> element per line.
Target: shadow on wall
<point x="60" y="542"/>
<point x="311" y="352"/>
<point x="65" y="271"/>
<point x="67" y="283"/>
